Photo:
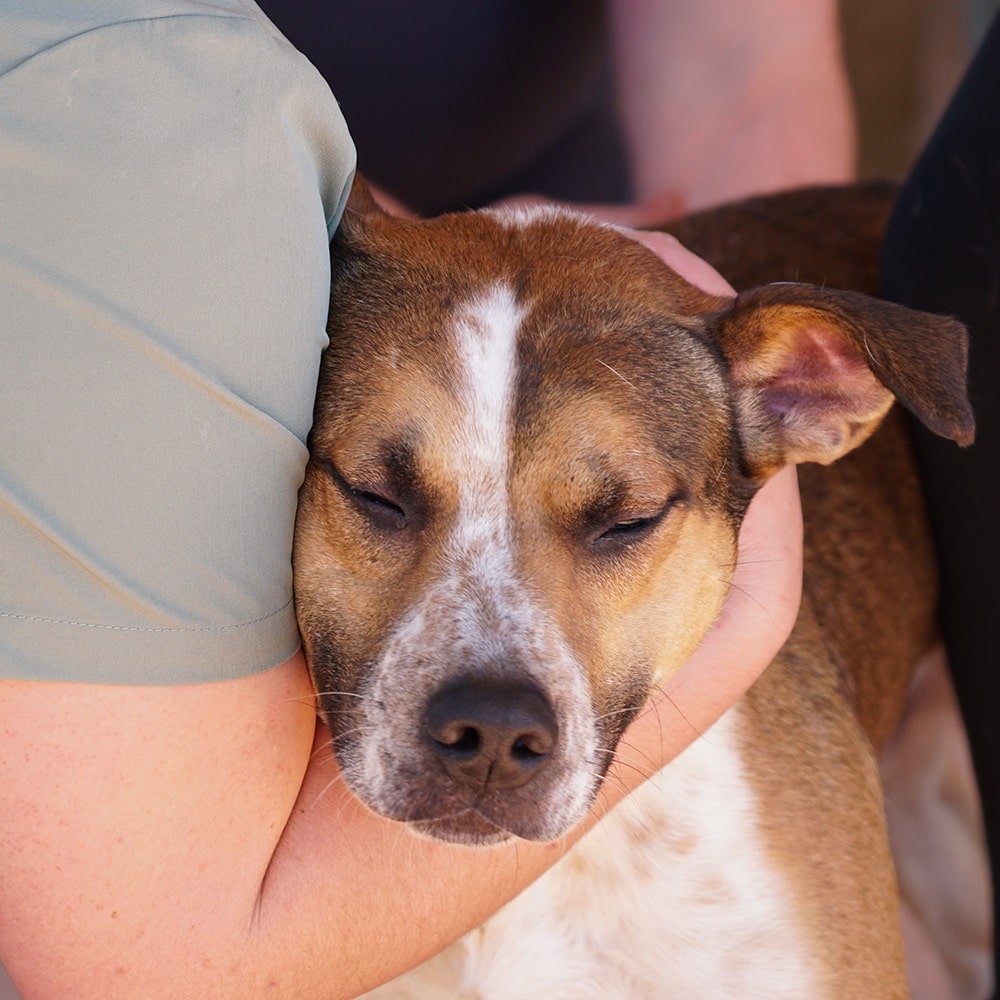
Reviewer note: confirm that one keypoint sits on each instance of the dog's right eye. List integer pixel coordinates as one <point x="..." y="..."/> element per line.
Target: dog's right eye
<point x="383" y="512"/>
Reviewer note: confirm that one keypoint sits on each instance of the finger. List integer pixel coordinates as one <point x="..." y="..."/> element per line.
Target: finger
<point x="688" y="265"/>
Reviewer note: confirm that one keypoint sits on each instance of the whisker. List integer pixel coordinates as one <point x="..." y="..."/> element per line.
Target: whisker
<point x="325" y="746"/>
<point x="646" y="766"/>
<point x="748" y="594"/>
<point x="616" y="373"/>
<point x="628" y="710"/>
<point x="316" y="695"/>
<point x="326" y="788"/>
<point x="700" y="733"/>
<point x="763" y="561"/>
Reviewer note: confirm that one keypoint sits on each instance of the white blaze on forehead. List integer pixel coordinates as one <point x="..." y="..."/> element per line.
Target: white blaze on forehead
<point x="476" y="614"/>
<point x="486" y="333"/>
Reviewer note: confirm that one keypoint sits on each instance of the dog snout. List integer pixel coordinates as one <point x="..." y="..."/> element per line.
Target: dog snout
<point x="495" y="734"/>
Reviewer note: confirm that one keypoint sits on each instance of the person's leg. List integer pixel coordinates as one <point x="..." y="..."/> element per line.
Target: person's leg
<point x="942" y="254"/>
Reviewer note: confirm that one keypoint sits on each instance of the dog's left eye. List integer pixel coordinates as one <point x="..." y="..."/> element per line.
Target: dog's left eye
<point x="633" y="529"/>
<point x="624" y="529"/>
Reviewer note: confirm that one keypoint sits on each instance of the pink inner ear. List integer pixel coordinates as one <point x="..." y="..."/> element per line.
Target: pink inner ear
<point x="820" y="354"/>
<point x="818" y="385"/>
<point x="820" y="371"/>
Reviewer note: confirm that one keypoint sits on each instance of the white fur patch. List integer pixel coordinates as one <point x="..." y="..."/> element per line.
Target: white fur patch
<point x="475" y="612"/>
<point x="671" y="898"/>
<point x="522" y="216"/>
<point x="479" y="456"/>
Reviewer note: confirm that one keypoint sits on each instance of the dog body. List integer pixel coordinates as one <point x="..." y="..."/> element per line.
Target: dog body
<point x="673" y="895"/>
<point x="534" y="445"/>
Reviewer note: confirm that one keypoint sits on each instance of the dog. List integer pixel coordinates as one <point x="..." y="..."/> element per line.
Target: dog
<point x="533" y="448"/>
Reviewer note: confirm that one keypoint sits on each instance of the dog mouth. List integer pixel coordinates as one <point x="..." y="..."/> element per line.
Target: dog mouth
<point x="468" y="827"/>
<point x="495" y="751"/>
<point x="440" y="811"/>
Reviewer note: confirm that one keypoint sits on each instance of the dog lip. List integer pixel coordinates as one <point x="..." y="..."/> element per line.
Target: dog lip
<point x="470" y="828"/>
<point x="473" y="825"/>
<point x="441" y="811"/>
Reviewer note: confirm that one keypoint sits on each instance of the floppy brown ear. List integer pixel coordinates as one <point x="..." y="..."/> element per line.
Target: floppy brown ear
<point x="815" y="370"/>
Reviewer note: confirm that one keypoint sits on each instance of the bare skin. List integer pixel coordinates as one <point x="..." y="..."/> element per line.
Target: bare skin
<point x="769" y="109"/>
<point x="721" y="101"/>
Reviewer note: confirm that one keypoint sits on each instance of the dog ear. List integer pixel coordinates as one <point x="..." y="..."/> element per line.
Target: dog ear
<point x="361" y="207"/>
<point x="815" y="370"/>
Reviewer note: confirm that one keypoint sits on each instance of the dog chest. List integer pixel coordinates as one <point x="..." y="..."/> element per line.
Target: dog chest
<point x="672" y="896"/>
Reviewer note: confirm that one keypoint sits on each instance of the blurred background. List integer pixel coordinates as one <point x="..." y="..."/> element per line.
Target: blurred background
<point x="904" y="58"/>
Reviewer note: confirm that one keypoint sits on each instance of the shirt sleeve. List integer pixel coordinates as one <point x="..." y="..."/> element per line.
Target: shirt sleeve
<point x="168" y="186"/>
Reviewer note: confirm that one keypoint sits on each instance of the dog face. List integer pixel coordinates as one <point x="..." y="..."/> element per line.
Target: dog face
<point x="530" y="459"/>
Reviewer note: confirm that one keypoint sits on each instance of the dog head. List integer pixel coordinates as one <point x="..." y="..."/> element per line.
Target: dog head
<point x="532" y="451"/>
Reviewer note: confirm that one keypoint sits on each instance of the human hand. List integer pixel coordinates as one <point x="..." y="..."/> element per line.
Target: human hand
<point x="389" y="202"/>
<point x="756" y="619"/>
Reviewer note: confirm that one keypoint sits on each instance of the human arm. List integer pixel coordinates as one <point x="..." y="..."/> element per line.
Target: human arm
<point x="197" y="841"/>
<point x="162" y="274"/>
<point x="722" y="100"/>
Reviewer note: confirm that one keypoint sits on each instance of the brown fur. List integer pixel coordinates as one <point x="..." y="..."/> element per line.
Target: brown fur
<point x="619" y="357"/>
<point x="854" y="579"/>
<point x="869" y="600"/>
<point x="385" y="406"/>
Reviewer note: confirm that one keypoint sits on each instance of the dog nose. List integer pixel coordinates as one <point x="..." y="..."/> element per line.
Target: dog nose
<point x="493" y="733"/>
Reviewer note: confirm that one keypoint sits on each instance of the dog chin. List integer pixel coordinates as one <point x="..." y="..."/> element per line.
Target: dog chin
<point x="469" y="830"/>
<point x="472" y="829"/>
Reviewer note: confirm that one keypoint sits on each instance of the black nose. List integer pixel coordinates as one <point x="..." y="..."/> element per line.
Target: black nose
<point x="495" y="733"/>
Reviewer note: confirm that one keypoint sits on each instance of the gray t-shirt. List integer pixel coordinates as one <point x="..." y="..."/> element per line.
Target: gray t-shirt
<point x="169" y="178"/>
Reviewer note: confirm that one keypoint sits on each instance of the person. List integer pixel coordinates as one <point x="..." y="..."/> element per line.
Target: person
<point x="650" y="108"/>
<point x="942" y="254"/>
<point x="409" y="101"/>
<point x="171" y="821"/>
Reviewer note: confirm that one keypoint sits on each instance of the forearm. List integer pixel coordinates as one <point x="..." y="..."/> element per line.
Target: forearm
<point x="724" y="99"/>
<point x="367" y="899"/>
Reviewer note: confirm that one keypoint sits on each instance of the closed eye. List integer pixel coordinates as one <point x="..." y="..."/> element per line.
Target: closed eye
<point x="625" y="529"/>
<point x="382" y="511"/>
<point x="628" y="531"/>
